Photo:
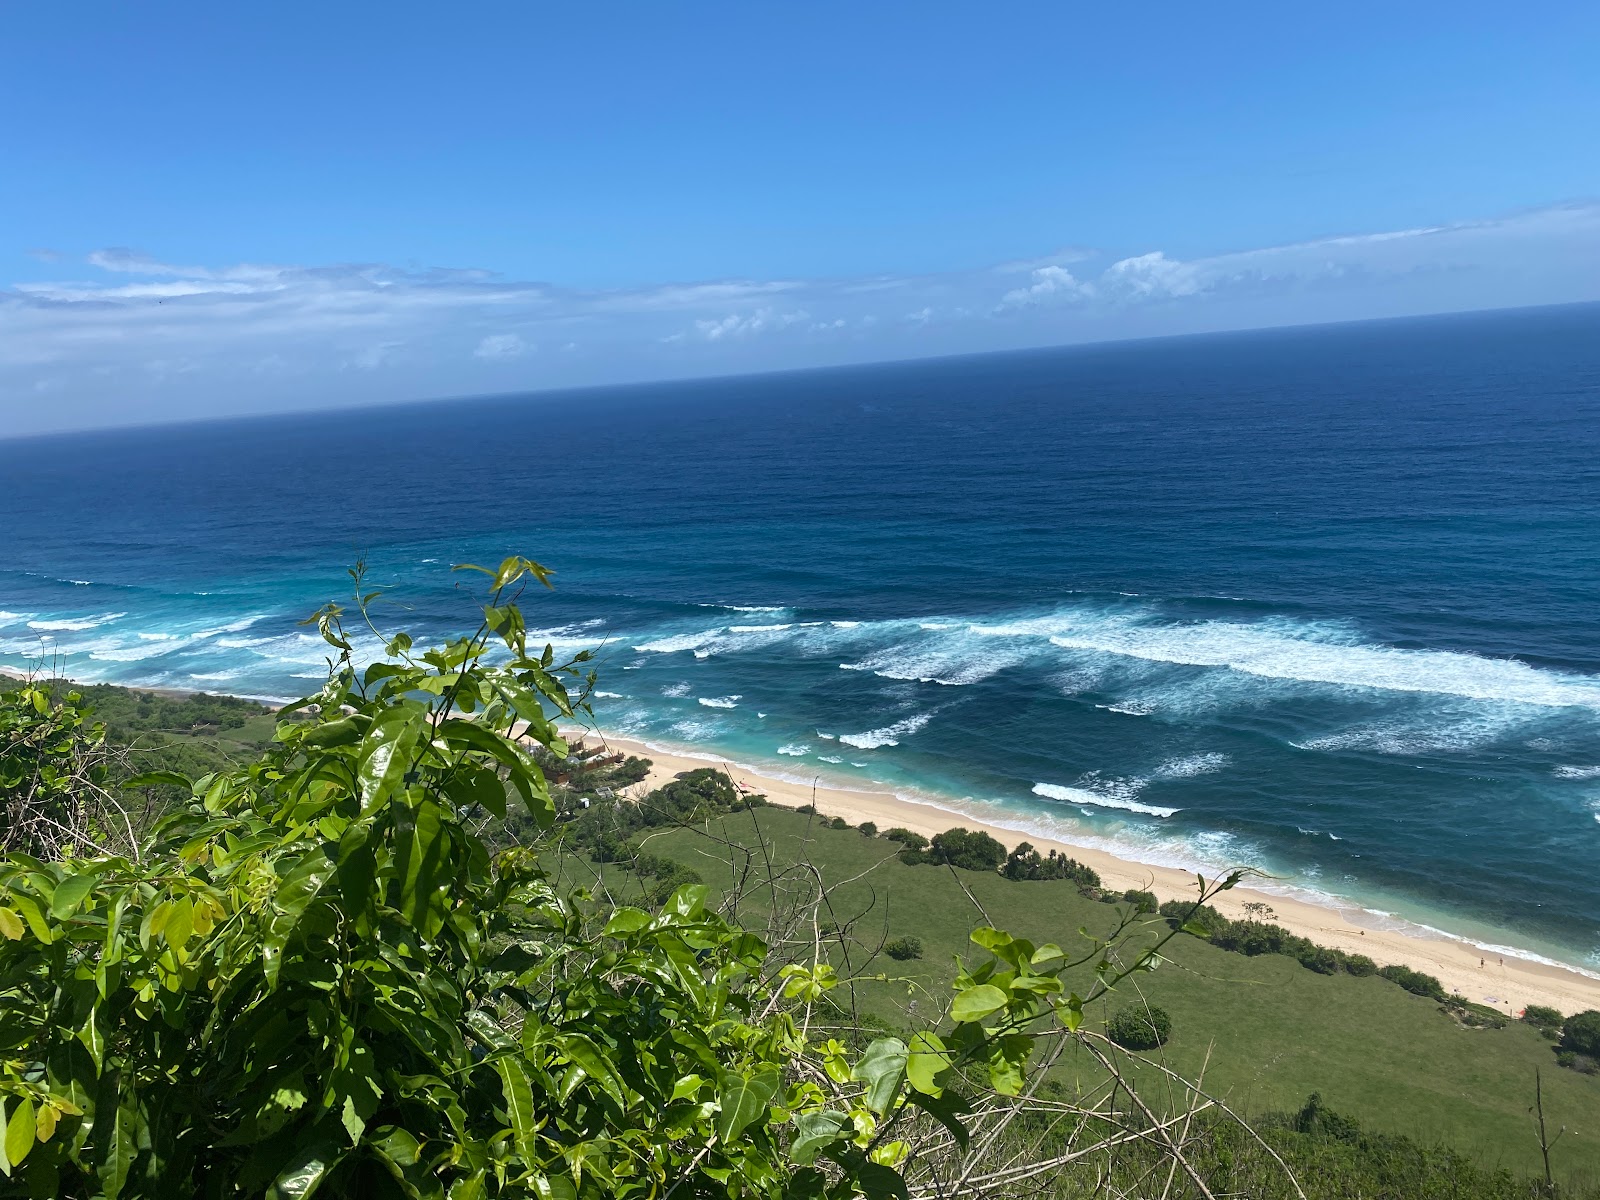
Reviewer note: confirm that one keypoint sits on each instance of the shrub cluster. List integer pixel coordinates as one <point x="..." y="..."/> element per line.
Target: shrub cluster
<point x="902" y="949"/>
<point x="606" y="827"/>
<point x="1579" y="1047"/>
<point x="969" y="849"/>
<point x="1026" y="863"/>
<point x="1261" y="937"/>
<point x="1140" y="1027"/>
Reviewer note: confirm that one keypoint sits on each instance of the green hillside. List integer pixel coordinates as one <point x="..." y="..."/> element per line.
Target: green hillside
<point x="1266" y="1031"/>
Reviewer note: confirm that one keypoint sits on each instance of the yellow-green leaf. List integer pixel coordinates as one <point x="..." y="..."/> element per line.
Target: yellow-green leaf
<point x="976" y="1003"/>
<point x="20" y="1132"/>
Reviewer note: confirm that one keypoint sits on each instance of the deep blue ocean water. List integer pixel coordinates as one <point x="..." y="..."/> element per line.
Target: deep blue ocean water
<point x="1326" y="601"/>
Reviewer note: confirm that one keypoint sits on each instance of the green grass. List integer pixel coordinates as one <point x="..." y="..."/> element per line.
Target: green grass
<point x="1267" y="1031"/>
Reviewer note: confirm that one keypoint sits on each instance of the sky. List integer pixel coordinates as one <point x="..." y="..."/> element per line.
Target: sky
<point x="210" y="210"/>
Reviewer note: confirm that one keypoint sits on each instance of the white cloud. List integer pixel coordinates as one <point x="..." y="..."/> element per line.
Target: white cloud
<point x="176" y="338"/>
<point x="1151" y="277"/>
<point x="501" y="345"/>
<point x="762" y="320"/>
<point x="1050" y="284"/>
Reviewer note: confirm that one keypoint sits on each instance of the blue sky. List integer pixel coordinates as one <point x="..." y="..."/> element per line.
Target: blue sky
<point x="212" y="209"/>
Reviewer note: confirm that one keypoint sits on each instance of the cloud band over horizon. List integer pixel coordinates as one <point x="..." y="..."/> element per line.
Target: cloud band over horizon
<point x="144" y="340"/>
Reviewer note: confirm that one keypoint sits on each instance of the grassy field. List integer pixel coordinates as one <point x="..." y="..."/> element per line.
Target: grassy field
<point x="1267" y="1031"/>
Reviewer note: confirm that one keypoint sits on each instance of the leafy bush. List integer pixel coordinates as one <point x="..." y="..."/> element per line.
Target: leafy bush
<point x="1320" y="959"/>
<point x="903" y="948"/>
<point x="969" y="849"/>
<point x="838" y="823"/>
<point x="1542" y="1016"/>
<point x="1581" y="1033"/>
<point x="1140" y="1027"/>
<point x="868" y="828"/>
<point x="1359" y="964"/>
<point x="1026" y="863"/>
<point x="1143" y="902"/>
<point x="1316" y="1119"/>
<point x="1414" y="982"/>
<point x="911" y="841"/>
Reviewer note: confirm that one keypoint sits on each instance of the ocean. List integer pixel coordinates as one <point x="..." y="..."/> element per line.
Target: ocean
<point x="1320" y="601"/>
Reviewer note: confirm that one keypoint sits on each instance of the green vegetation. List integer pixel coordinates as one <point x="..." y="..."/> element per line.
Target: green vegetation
<point x="1026" y="863"/>
<point x="903" y="949"/>
<point x="968" y="849"/>
<point x="339" y="969"/>
<point x="382" y="947"/>
<point x="1140" y="1027"/>
<point x="1265" y="1031"/>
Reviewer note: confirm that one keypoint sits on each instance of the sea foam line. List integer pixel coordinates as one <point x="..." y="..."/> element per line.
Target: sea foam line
<point x="1072" y="795"/>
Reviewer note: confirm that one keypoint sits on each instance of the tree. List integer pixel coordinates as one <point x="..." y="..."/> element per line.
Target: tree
<point x="1581" y="1032"/>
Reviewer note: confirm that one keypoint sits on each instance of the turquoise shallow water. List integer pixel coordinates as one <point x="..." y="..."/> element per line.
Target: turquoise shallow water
<point x="1319" y="600"/>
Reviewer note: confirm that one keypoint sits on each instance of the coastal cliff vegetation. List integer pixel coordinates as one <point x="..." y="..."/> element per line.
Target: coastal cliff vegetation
<point x="404" y="938"/>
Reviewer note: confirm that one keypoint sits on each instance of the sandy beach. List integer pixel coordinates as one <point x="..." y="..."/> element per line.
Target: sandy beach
<point x="1506" y="983"/>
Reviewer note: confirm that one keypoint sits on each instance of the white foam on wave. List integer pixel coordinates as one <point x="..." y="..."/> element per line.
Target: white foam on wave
<point x="74" y="624"/>
<point x="720" y="701"/>
<point x="1305" y="653"/>
<point x="609" y="696"/>
<point x="675" y="690"/>
<point x="1576" y="772"/>
<point x="1435" y="730"/>
<point x="679" y="641"/>
<point x="795" y="749"/>
<point x="1128" y="709"/>
<point x="214" y="676"/>
<point x="1191" y="765"/>
<point x="889" y="735"/>
<point x="12" y="618"/>
<point x="829" y="758"/>
<point x="1100" y="799"/>
<point x="704" y="643"/>
<point x="695" y="731"/>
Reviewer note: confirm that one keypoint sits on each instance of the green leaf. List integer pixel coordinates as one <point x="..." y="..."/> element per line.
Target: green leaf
<point x="519" y="1107"/>
<point x="93" y="1040"/>
<point x="346" y="731"/>
<point x="303" y="1176"/>
<point x="688" y="902"/>
<point x="813" y="1131"/>
<point x="525" y="774"/>
<point x="587" y="1055"/>
<point x="976" y="1003"/>
<point x="744" y="1099"/>
<point x="947" y="1109"/>
<point x="882" y="1068"/>
<point x="991" y="939"/>
<point x="625" y="921"/>
<point x="386" y="754"/>
<point x="422" y="864"/>
<point x="119" y="1152"/>
<point x="293" y="895"/>
<point x="926" y="1059"/>
<point x="34" y="916"/>
<point x="20" y="1133"/>
<point x="875" y="1179"/>
<point x="479" y="786"/>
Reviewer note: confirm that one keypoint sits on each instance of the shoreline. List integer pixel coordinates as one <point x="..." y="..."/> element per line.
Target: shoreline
<point x="1507" y="982"/>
